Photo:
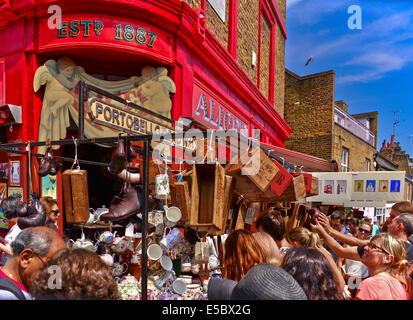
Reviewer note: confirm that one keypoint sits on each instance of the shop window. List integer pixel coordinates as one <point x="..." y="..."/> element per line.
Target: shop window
<point x="344" y="160"/>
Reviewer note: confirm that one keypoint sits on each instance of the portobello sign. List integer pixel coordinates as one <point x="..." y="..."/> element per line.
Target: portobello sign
<point x="119" y="117"/>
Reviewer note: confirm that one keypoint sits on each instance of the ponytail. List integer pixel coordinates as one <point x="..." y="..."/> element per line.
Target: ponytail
<point x="401" y="266"/>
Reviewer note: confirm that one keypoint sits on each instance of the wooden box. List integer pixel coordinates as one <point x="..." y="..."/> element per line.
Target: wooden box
<point x="228" y="196"/>
<point x="240" y="221"/>
<point x="260" y="167"/>
<point x="76" y="196"/>
<point x="295" y="191"/>
<point x="207" y="195"/>
<point x="311" y="183"/>
<point x="183" y="199"/>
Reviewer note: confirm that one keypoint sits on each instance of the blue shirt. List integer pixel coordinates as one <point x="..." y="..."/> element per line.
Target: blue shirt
<point x="376" y="230"/>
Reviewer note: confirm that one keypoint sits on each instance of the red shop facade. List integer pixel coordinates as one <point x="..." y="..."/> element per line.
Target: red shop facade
<point x="114" y="40"/>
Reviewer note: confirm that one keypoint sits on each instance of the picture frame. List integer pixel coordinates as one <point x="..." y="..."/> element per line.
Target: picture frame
<point x="14" y="173"/>
<point x="3" y="192"/>
<point x="16" y="192"/>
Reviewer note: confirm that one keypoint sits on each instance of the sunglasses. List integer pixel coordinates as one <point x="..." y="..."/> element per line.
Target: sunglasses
<point x="373" y="246"/>
<point x="55" y="211"/>
<point x="364" y="230"/>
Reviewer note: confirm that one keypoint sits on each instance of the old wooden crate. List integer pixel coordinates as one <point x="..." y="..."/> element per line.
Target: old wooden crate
<point x="228" y="198"/>
<point x="207" y="195"/>
<point x="75" y="196"/>
<point x="260" y="169"/>
<point x="183" y="199"/>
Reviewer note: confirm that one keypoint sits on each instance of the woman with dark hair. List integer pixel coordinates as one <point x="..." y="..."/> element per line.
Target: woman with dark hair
<point x="11" y="207"/>
<point x="312" y="271"/>
<point x="242" y="252"/>
<point x="84" y="276"/>
<point x="273" y="223"/>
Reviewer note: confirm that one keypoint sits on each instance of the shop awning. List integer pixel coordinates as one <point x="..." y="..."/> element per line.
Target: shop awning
<point x="10" y="114"/>
<point x="303" y="161"/>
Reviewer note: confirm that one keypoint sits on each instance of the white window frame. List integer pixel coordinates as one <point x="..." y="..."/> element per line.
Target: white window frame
<point x="344" y="159"/>
<point x="368" y="164"/>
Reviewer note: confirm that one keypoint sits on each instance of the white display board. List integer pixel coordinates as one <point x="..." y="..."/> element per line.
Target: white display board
<point x="359" y="189"/>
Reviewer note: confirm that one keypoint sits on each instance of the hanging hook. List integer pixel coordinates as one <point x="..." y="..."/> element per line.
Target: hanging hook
<point x="76" y="158"/>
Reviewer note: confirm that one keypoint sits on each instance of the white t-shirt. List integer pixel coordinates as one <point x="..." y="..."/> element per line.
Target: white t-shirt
<point x="13" y="233"/>
<point x="355" y="269"/>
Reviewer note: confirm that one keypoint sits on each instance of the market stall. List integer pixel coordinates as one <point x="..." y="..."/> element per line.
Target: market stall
<point x="163" y="234"/>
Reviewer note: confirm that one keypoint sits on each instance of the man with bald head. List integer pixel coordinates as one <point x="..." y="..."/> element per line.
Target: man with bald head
<point x="32" y="248"/>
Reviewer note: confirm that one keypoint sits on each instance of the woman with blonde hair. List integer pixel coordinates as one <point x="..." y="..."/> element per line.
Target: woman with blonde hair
<point x="242" y="252"/>
<point x="385" y="257"/>
<point x="302" y="237"/>
<point x="269" y="246"/>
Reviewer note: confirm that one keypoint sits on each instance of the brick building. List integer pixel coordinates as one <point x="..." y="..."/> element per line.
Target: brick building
<point x="322" y="127"/>
<point x="249" y="29"/>
<point x="393" y="153"/>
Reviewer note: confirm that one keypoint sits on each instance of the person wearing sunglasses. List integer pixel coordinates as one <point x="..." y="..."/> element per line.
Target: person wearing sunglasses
<point x="400" y="227"/>
<point x="52" y="211"/>
<point x="385" y="258"/>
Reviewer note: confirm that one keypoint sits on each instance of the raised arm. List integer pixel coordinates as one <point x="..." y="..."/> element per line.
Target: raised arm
<point x="6" y="249"/>
<point x="348" y="253"/>
<point x="351" y="241"/>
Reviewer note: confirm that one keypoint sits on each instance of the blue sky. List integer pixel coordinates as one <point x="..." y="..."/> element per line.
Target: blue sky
<point x="373" y="66"/>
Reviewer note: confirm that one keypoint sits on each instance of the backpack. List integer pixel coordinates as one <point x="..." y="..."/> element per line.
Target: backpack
<point x="8" y="285"/>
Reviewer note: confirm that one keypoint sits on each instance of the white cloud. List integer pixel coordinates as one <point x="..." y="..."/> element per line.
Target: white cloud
<point x="379" y="48"/>
<point x="292" y="2"/>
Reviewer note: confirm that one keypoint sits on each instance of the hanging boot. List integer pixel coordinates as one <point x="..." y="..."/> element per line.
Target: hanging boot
<point x="36" y="216"/>
<point x="118" y="162"/>
<point x="127" y="203"/>
<point x="55" y="167"/>
<point x="44" y="169"/>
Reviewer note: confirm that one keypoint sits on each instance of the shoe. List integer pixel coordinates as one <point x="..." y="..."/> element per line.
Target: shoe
<point x="126" y="204"/>
<point x="47" y="163"/>
<point x="55" y="167"/>
<point x="118" y="162"/>
<point x="36" y="216"/>
<point x="138" y="225"/>
<point x="21" y="209"/>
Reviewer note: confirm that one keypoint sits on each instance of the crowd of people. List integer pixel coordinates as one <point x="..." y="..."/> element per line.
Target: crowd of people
<point x="330" y="257"/>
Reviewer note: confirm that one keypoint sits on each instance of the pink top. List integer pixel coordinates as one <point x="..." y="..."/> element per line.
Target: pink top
<point x="381" y="287"/>
<point x="3" y="275"/>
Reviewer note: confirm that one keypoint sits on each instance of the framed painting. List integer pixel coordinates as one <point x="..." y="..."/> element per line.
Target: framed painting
<point x="14" y="175"/>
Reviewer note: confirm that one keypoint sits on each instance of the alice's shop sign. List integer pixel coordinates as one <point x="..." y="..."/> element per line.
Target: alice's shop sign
<point x="213" y="113"/>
